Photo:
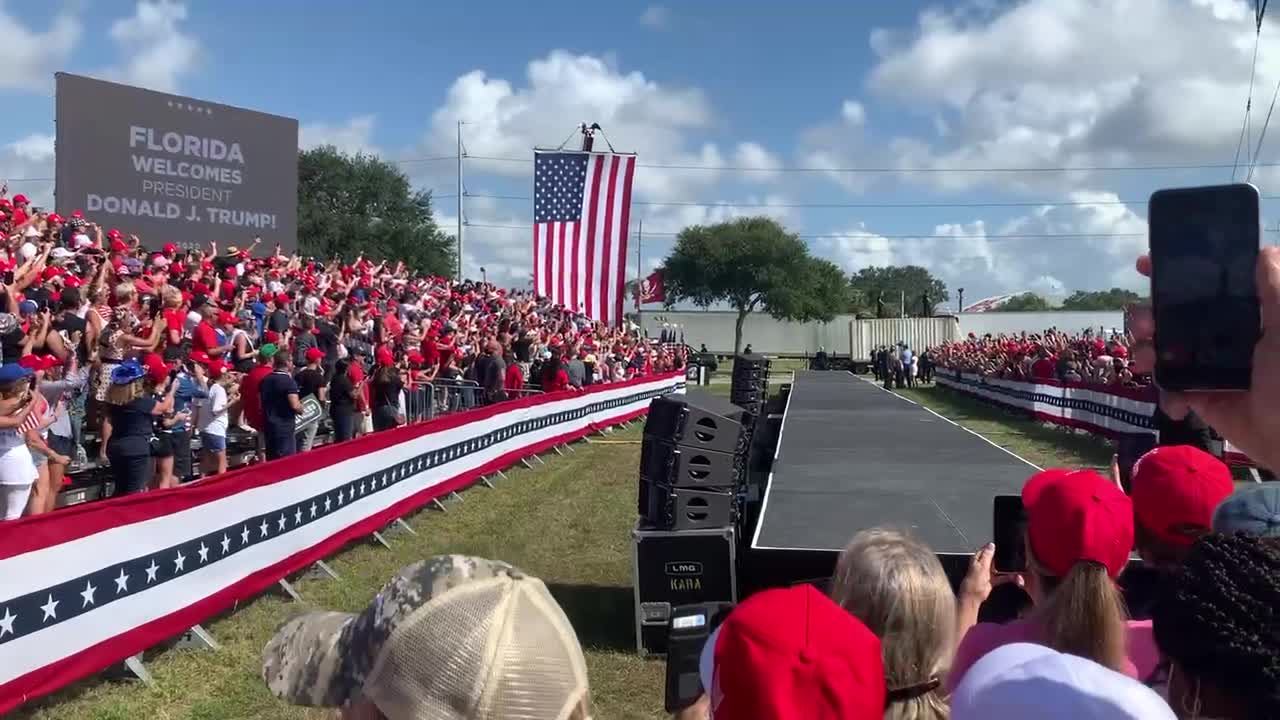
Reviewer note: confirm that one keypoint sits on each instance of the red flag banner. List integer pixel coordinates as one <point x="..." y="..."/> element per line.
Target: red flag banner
<point x="581" y="214"/>
<point x="652" y="288"/>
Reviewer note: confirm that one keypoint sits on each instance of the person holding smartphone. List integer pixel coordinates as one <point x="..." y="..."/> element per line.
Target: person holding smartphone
<point x="1080" y="530"/>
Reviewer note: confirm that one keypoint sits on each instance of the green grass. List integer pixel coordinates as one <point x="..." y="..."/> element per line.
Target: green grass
<point x="567" y="522"/>
<point x="1045" y="445"/>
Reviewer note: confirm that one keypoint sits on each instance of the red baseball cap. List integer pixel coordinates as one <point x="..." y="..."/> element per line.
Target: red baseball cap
<point x="54" y="218"/>
<point x="314" y="354"/>
<point x="1075" y="516"/>
<point x="114" y="233"/>
<point x="226" y="318"/>
<point x="385" y="357"/>
<point x="169" y="249"/>
<point x="73" y="281"/>
<point x="117" y="245"/>
<point x="271" y="336"/>
<point x="20" y="199"/>
<point x="1175" y="490"/>
<point x="216" y="368"/>
<point x="158" y="373"/>
<point x="51" y="272"/>
<point x="793" y="654"/>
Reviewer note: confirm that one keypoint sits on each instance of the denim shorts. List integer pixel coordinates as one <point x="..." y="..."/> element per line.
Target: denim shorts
<point x="213" y="443"/>
<point x="61" y="445"/>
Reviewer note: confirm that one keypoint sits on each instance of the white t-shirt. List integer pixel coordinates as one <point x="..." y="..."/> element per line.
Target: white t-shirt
<point x="16" y="465"/>
<point x="211" y="412"/>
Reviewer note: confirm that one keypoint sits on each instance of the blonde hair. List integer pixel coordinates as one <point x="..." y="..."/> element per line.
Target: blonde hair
<point x="171" y="296"/>
<point x="1082" y="613"/>
<point x="895" y="585"/>
<point x="124" y="291"/>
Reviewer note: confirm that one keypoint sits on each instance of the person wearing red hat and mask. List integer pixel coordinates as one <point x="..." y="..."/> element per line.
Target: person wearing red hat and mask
<point x="1078" y="538"/>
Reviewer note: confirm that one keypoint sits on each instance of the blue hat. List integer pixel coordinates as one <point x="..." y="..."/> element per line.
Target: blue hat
<point x="27" y="307"/>
<point x="12" y="372"/>
<point x="1255" y="511"/>
<point x="126" y="372"/>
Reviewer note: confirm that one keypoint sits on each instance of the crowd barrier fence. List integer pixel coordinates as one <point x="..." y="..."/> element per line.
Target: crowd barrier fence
<point x="88" y="587"/>
<point x="1107" y="411"/>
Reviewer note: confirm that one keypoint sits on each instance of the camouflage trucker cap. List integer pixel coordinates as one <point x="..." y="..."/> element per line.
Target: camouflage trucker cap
<point x="449" y="638"/>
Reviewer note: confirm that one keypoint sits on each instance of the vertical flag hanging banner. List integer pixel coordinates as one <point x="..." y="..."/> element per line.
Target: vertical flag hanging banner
<point x="653" y="289"/>
<point x="581" y="213"/>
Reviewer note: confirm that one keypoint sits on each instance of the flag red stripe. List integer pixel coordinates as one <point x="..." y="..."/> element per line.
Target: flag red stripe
<point x="578" y="274"/>
<point x="624" y="230"/>
<point x="592" y="194"/>
<point x="606" y="257"/>
<point x="546" y="240"/>
<point x="560" y="250"/>
<point x="574" y="270"/>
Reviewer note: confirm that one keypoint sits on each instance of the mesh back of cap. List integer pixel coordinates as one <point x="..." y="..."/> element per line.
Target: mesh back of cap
<point x="490" y="649"/>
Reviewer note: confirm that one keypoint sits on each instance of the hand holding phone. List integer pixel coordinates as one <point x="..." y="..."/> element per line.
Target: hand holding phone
<point x="1204" y="245"/>
<point x="1008" y="530"/>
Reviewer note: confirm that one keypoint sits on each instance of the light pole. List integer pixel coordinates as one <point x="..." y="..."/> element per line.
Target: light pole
<point x="483" y="277"/>
<point x="961" y="308"/>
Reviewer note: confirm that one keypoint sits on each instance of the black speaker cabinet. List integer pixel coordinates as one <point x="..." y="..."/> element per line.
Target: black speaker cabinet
<point x="678" y="568"/>
<point x="682" y="466"/>
<point x="673" y="508"/>
<point x="675" y="418"/>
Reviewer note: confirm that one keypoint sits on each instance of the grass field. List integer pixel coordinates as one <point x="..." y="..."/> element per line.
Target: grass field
<point x="567" y="522"/>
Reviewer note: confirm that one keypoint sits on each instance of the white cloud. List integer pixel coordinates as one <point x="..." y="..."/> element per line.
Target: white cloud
<point x="353" y="136"/>
<point x="761" y="164"/>
<point x="156" y="51"/>
<point x="507" y="119"/>
<point x="656" y="17"/>
<point x="29" y="56"/>
<point x="1061" y="83"/>
<point x="853" y="112"/>
<point x="986" y="262"/>
<point x="23" y="162"/>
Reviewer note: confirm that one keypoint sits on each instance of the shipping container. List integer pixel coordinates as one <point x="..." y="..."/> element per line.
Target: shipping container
<point x="917" y="333"/>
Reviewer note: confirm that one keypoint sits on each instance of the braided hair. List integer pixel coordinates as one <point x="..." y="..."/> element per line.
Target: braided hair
<point x="1221" y="621"/>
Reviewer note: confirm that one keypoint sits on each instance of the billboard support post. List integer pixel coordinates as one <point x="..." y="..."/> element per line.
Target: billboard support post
<point x="460" y="278"/>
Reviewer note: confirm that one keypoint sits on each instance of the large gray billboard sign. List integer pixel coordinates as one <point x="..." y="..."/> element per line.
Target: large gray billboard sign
<point x="175" y="169"/>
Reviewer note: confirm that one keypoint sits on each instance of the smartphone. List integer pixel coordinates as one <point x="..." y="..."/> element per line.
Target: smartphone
<point x="1008" y="532"/>
<point x="1204" y="252"/>
<point x="688" y="630"/>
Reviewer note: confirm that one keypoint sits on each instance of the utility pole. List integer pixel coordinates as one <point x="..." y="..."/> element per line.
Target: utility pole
<point x="460" y="201"/>
<point x="639" y="266"/>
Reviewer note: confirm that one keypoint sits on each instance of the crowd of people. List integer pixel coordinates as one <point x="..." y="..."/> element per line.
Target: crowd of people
<point x="120" y="355"/>
<point x="889" y="638"/>
<point x="1087" y="357"/>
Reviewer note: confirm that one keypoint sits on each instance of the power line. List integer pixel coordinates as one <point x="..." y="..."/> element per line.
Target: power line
<point x="1248" y="101"/>
<point x="871" y="236"/>
<point x="891" y="170"/>
<point x="752" y="204"/>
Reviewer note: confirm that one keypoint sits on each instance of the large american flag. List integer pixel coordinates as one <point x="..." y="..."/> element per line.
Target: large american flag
<point x="581" y="213"/>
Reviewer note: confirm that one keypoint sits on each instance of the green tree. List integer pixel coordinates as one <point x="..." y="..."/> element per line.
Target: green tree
<point x="1113" y="299"/>
<point x="880" y="291"/>
<point x="1026" y="302"/>
<point x="753" y="264"/>
<point x="353" y="204"/>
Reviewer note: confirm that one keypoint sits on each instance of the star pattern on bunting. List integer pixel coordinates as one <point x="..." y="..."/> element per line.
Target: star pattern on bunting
<point x="29" y="613"/>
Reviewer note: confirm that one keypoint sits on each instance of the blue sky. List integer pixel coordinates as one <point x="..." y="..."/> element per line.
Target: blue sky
<point x="947" y="90"/>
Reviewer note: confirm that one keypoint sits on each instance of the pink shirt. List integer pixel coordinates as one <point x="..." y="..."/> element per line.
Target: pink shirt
<point x="1143" y="656"/>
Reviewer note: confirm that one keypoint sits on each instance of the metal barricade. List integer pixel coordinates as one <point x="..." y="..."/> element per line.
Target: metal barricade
<point x="419" y="402"/>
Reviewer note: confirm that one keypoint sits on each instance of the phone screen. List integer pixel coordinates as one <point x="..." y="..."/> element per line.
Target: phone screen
<point x="1204" y="250"/>
<point x="1008" y="532"/>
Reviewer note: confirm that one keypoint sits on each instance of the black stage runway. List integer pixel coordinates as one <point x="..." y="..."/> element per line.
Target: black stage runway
<point x="852" y="455"/>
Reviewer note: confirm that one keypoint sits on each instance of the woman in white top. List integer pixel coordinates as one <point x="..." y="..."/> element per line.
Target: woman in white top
<point x="211" y="417"/>
<point x="17" y="470"/>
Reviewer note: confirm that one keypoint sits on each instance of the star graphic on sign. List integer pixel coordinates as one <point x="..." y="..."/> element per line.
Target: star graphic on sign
<point x="226" y="543"/>
<point x="50" y="608"/>
<point x="351" y="492"/>
<point x="313" y="508"/>
<point x="326" y="503"/>
<point x="122" y="582"/>
<point x="362" y="486"/>
<point x="87" y="594"/>
<point x="151" y="571"/>
<point x="282" y="522"/>
<point x="204" y="553"/>
<point x="6" y="623"/>
<point x="178" y="562"/>
<point x="263" y="528"/>
<point x="340" y="493"/>
<point x="244" y="535"/>
<point x="297" y="516"/>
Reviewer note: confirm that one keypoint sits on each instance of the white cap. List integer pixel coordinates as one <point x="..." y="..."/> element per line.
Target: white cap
<point x="1022" y="680"/>
<point x="27" y="251"/>
<point x="31" y="232"/>
<point x="82" y="240"/>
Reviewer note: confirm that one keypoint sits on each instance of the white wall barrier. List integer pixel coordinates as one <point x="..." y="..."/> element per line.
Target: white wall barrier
<point x="84" y="588"/>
